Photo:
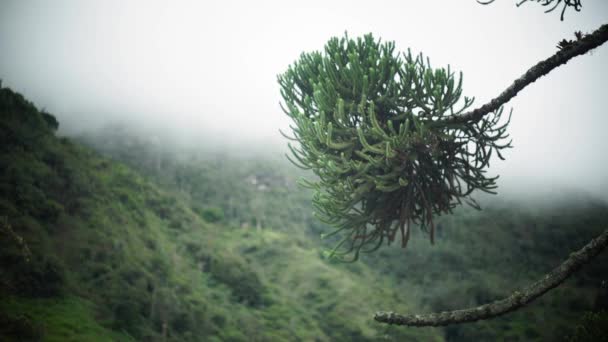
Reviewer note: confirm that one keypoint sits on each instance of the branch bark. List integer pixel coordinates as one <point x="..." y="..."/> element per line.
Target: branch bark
<point x="575" y="48"/>
<point x="515" y="301"/>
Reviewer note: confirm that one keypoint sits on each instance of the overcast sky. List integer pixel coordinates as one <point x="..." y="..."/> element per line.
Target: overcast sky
<point x="208" y="68"/>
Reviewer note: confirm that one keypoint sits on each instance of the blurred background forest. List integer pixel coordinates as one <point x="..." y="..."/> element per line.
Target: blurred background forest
<point x="145" y="196"/>
<point x="124" y="235"/>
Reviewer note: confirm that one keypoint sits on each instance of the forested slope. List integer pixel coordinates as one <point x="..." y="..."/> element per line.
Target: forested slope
<point x="145" y="240"/>
<point x="91" y="250"/>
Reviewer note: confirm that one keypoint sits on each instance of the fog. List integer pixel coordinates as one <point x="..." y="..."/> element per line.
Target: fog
<point x="207" y="70"/>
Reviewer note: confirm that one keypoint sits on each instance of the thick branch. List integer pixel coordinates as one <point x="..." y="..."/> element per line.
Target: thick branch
<point x="511" y="303"/>
<point x="576" y="48"/>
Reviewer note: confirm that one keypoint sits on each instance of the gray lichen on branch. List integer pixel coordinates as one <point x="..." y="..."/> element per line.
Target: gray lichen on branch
<point x="562" y="56"/>
<point x="511" y="303"/>
<point x="582" y="45"/>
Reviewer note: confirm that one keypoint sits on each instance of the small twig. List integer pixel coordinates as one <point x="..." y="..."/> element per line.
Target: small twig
<point x="576" y="4"/>
<point x="576" y="48"/>
<point x="6" y="228"/>
<point x="511" y="303"/>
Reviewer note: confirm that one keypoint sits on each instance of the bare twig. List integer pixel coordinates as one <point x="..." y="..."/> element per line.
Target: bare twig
<point x="575" y="48"/>
<point x="576" y="4"/>
<point x="5" y="227"/>
<point x="511" y="303"/>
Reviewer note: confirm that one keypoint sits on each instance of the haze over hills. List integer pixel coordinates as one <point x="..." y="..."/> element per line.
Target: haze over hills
<point x="206" y="72"/>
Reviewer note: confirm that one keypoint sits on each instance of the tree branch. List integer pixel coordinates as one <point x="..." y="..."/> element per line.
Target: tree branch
<point x="569" y="50"/>
<point x="513" y="302"/>
<point x="575" y="48"/>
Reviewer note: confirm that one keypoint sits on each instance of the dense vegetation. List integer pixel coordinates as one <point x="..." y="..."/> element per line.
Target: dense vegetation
<point x="145" y="241"/>
<point x="377" y="127"/>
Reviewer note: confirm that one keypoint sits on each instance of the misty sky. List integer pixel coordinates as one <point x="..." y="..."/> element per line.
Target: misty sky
<point x="208" y="68"/>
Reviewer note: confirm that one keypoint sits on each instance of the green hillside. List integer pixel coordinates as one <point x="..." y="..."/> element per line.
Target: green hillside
<point x="119" y="236"/>
<point x="115" y="257"/>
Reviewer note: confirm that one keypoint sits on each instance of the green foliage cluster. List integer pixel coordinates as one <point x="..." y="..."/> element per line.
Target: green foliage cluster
<point x="211" y="214"/>
<point x="56" y="319"/>
<point x="373" y="125"/>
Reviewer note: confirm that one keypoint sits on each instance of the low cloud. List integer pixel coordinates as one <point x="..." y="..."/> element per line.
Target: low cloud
<point x="206" y="72"/>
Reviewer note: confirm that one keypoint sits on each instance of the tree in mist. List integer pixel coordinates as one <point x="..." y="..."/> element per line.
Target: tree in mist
<point x="393" y="144"/>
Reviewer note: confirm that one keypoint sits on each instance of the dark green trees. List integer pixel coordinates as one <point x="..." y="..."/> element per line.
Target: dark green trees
<point x="374" y="126"/>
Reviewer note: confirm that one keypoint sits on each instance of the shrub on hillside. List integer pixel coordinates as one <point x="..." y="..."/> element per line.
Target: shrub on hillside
<point x="40" y="277"/>
<point x="211" y="214"/>
<point x="245" y="284"/>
